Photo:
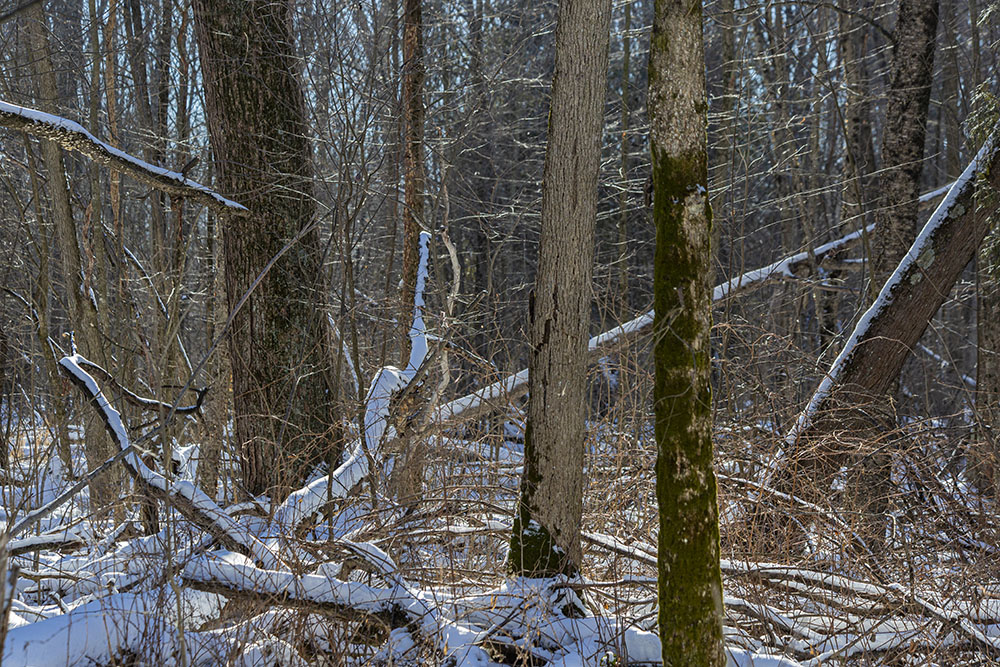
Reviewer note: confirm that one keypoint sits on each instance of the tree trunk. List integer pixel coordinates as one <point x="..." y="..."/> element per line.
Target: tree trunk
<point x="690" y="581"/>
<point x="82" y="310"/>
<point x="413" y="162"/>
<point x="903" y="136"/>
<point x="874" y="354"/>
<point x="546" y="535"/>
<point x="408" y="477"/>
<point x="896" y="218"/>
<point x="282" y="399"/>
<point x="621" y="298"/>
<point x="859" y="156"/>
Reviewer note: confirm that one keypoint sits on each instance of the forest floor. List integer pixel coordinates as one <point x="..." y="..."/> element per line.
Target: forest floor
<point x="376" y="583"/>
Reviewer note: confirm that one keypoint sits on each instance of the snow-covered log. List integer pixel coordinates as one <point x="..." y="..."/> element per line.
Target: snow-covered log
<point x="347" y="600"/>
<point x="188" y="499"/>
<point x="55" y="540"/>
<point x="101" y="631"/>
<point x="73" y="136"/>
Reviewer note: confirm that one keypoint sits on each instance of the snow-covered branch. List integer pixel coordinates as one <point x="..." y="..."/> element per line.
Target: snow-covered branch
<point x="388" y="382"/>
<point x="946" y="242"/>
<point x="516" y="385"/>
<point x="315" y="593"/>
<point x="142" y="402"/>
<point x="189" y="500"/>
<point x="73" y="136"/>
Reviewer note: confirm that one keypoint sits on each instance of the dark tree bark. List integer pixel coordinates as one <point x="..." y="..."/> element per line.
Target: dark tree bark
<point x="408" y="477"/>
<point x="690" y="581"/>
<point x="621" y="298"/>
<point x="546" y="535"/>
<point x="903" y="136"/>
<point x="413" y="161"/>
<point x="282" y="395"/>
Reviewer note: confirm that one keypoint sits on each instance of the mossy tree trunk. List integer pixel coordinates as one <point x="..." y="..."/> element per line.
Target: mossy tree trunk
<point x="546" y="535"/>
<point x="690" y="581"/>
<point x="283" y="396"/>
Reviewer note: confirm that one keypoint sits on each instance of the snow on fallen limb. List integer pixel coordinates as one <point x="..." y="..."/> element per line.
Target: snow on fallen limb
<point x="98" y="632"/>
<point x="59" y="539"/>
<point x="395" y="606"/>
<point x="738" y="657"/>
<point x="141" y="401"/>
<point x="312" y="592"/>
<point x="386" y="383"/>
<point x="958" y="189"/>
<point x="73" y="136"/>
<point x="515" y="385"/>
<point x="307" y="501"/>
<point x="191" y="501"/>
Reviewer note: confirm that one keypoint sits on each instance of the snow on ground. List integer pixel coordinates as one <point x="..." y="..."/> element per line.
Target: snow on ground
<point x="373" y="584"/>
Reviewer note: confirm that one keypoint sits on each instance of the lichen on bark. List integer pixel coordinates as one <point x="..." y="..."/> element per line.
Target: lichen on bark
<point x="690" y="581"/>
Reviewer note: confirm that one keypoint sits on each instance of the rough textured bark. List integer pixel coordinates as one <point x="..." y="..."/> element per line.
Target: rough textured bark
<point x="952" y="111"/>
<point x="282" y="399"/>
<point x="896" y="222"/>
<point x="413" y="162"/>
<point x="546" y="535"/>
<point x="903" y="136"/>
<point x="408" y="477"/>
<point x="985" y="455"/>
<point x="690" y="581"/>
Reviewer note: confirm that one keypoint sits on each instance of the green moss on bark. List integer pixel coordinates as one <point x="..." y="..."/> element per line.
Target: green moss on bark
<point x="690" y="581"/>
<point x="690" y="592"/>
<point x="533" y="549"/>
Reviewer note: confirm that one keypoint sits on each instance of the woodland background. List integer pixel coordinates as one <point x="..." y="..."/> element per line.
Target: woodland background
<point x="797" y="105"/>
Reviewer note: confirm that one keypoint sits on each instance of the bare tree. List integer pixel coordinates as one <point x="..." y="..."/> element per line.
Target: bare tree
<point x="546" y="535"/>
<point x="282" y="393"/>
